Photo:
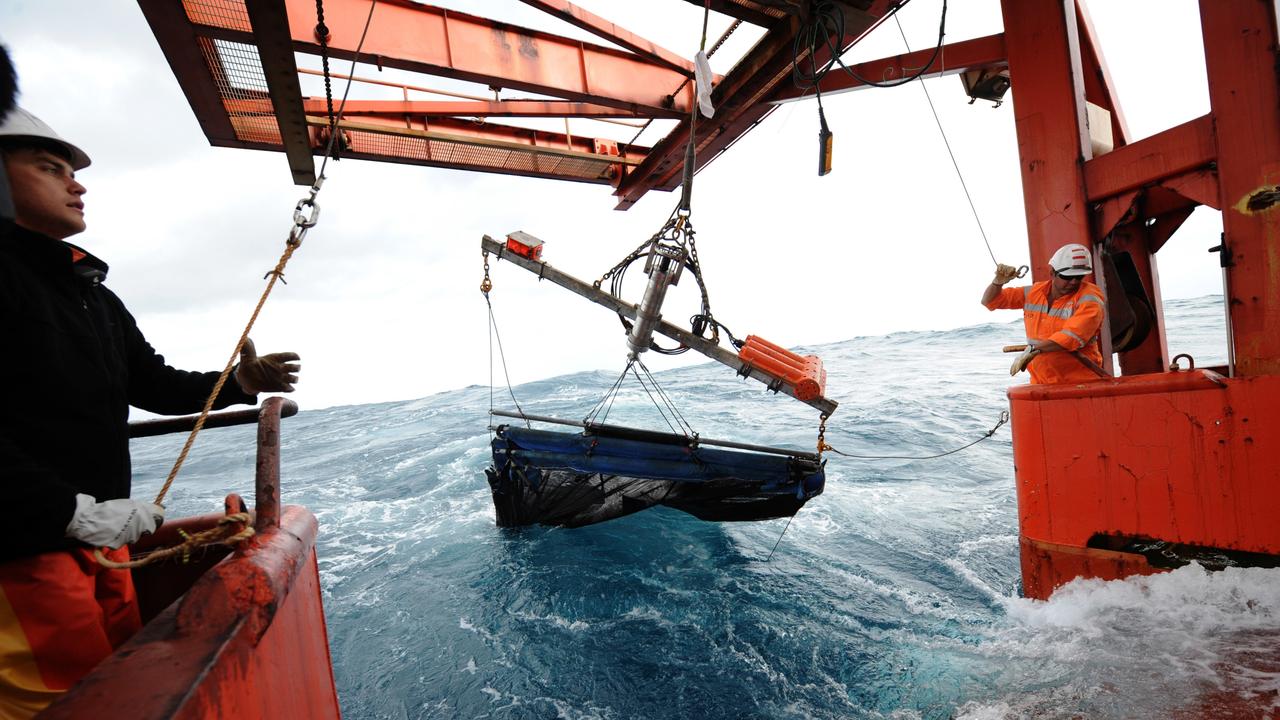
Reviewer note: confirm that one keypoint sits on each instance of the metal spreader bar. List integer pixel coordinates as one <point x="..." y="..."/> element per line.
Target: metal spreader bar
<point x="544" y="271"/>
<point x="692" y="441"/>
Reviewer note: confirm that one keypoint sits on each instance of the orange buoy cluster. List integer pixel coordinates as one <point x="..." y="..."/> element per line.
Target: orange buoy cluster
<point x="804" y="373"/>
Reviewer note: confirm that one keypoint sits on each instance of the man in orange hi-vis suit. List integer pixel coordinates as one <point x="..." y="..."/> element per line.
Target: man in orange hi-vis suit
<point x="1063" y="316"/>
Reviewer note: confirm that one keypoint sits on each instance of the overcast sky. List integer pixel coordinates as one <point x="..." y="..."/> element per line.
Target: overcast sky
<point x="382" y="301"/>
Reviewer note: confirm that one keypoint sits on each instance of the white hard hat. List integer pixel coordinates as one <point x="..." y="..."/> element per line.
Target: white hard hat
<point x="1072" y="260"/>
<point x="22" y="124"/>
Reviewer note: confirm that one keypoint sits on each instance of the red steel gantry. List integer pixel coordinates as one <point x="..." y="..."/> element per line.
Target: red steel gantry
<point x="1188" y="458"/>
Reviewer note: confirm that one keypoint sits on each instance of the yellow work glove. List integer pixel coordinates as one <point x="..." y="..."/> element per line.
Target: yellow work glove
<point x="1023" y="361"/>
<point x="1004" y="273"/>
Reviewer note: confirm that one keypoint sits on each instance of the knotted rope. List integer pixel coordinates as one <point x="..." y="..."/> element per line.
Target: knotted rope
<point x="224" y="533"/>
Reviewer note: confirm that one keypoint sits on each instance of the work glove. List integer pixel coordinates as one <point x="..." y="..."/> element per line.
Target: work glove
<point x="1023" y="361"/>
<point x="1004" y="273"/>
<point x="276" y="372"/>
<point x="114" y="523"/>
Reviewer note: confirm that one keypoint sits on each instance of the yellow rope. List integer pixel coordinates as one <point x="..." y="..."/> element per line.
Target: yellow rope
<point x="224" y="534"/>
<point x="274" y="275"/>
<point x="214" y="536"/>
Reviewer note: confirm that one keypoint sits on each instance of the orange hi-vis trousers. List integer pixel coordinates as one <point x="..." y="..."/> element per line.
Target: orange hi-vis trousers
<point x="61" y="613"/>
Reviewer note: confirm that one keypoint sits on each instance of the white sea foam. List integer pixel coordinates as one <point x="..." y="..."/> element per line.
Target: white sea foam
<point x="558" y="621"/>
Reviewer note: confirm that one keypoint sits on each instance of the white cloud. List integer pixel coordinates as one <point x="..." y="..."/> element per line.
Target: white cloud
<point x="382" y="300"/>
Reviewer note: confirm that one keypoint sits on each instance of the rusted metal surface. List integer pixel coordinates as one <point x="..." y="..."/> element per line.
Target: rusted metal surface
<point x="1184" y="457"/>
<point x="487" y="147"/>
<point x="247" y="640"/>
<point x="615" y="34"/>
<point x="403" y="110"/>
<point x="1048" y="566"/>
<point x="1045" y="71"/>
<point x="1240" y="42"/>
<point x="275" y="51"/>
<point x="164" y="426"/>
<point x="267" y="477"/>
<point x="976" y="54"/>
<point x="160" y="585"/>
<point x="1098" y="86"/>
<point x="1163" y="156"/>
<point x="446" y="43"/>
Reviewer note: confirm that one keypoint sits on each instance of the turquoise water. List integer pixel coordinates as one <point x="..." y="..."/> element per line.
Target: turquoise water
<point x="893" y="595"/>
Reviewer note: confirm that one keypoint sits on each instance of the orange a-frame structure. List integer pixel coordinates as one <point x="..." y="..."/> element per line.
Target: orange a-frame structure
<point x="1156" y="464"/>
<point x="1153" y="464"/>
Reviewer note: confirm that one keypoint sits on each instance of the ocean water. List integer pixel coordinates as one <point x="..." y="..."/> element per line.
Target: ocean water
<point x="895" y="594"/>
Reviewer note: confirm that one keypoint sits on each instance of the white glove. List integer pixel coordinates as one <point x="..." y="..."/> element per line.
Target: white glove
<point x="114" y="523"/>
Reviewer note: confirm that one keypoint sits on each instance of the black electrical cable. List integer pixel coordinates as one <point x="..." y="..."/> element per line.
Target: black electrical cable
<point x="825" y="28"/>
<point x="937" y="50"/>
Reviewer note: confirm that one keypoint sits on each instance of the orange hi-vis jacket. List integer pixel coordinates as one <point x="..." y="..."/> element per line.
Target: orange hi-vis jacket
<point x="1072" y="321"/>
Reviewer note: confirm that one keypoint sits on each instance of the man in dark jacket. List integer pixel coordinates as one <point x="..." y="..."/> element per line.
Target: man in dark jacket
<point x="74" y="362"/>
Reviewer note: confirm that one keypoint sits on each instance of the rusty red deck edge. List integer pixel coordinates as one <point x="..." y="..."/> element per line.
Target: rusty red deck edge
<point x="248" y="640"/>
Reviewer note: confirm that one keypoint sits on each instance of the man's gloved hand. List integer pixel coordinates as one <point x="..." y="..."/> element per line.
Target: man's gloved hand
<point x="1023" y="361"/>
<point x="1004" y="273"/>
<point x="114" y="523"/>
<point x="276" y="372"/>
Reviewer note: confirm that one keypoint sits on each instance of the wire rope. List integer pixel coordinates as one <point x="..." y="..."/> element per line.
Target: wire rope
<point x="1004" y="418"/>
<point x="950" y="153"/>
<point x="493" y="333"/>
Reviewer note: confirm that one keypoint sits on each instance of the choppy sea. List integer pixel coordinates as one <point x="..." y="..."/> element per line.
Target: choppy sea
<point x="893" y="595"/>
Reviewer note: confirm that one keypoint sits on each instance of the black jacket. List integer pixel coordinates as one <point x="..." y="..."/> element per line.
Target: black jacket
<point x="74" y="361"/>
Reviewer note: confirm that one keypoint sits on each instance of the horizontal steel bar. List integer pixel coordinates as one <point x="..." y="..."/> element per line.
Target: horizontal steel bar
<point x="1162" y="156"/>
<point x="477" y="108"/>
<point x="962" y="56"/>
<point x="489" y="135"/>
<point x="164" y="426"/>
<point x="679" y="334"/>
<point x="692" y="441"/>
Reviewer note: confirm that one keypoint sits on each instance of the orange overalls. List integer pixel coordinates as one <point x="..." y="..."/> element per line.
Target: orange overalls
<point x="61" y="613"/>
<point x="1072" y="321"/>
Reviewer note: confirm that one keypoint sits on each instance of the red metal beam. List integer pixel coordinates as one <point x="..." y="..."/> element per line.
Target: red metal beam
<point x="1149" y="161"/>
<point x="975" y="54"/>
<point x="615" y="34"/>
<point x="1098" y="87"/>
<point x="489" y="135"/>
<point x="279" y="69"/>
<point x="764" y="14"/>
<point x="1240" y="41"/>
<point x="455" y="108"/>
<point x="1044" y="68"/>
<point x="1045" y="72"/>
<point x="742" y="100"/>
<point x="431" y="40"/>
<point x="481" y="147"/>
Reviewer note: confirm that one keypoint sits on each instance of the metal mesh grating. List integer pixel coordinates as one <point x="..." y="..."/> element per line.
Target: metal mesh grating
<point x="237" y="73"/>
<point x="447" y="152"/>
<point x="228" y="14"/>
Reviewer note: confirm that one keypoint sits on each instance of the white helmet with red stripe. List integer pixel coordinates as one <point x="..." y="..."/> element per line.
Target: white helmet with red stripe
<point x="1072" y="260"/>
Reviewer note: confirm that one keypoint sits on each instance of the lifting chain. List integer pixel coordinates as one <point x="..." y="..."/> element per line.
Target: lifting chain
<point x="486" y="284"/>
<point x="822" y="435"/>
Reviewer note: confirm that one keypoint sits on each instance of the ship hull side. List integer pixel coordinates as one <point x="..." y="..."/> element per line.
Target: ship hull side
<point x="1187" y="457"/>
<point x="248" y="640"/>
